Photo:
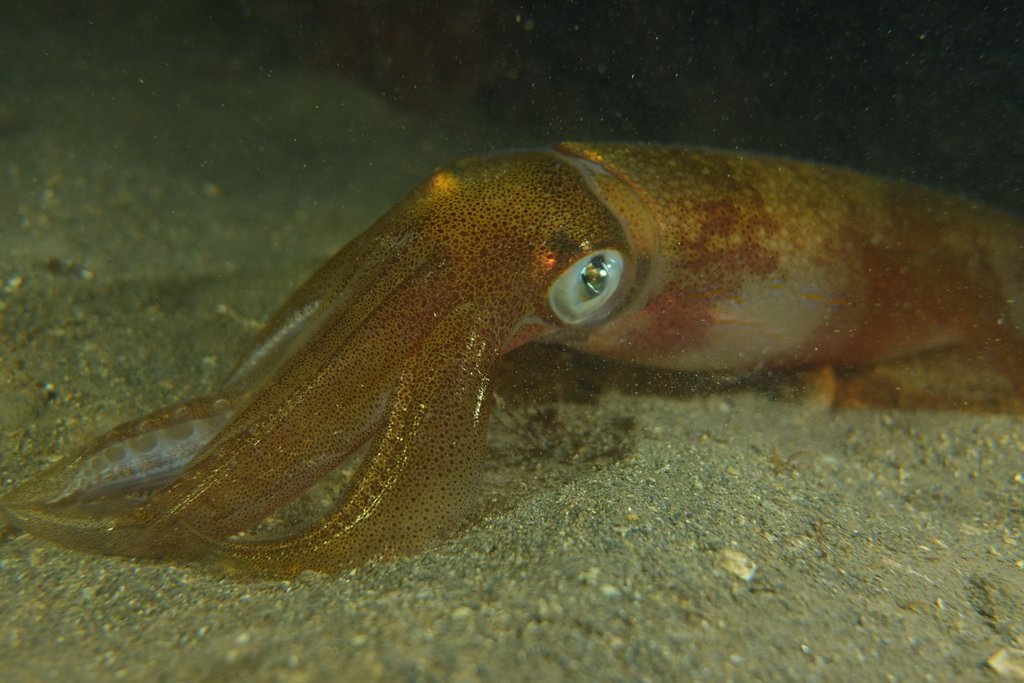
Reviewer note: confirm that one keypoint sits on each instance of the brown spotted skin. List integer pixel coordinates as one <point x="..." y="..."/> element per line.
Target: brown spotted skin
<point x="732" y="262"/>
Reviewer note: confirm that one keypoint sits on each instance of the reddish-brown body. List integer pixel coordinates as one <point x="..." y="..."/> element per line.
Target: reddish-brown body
<point x="690" y="259"/>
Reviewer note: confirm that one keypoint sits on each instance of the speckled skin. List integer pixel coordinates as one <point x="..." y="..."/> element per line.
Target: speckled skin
<point x="733" y="262"/>
<point x="770" y="262"/>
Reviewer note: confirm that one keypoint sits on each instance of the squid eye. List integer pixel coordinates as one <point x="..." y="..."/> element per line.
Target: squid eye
<point x="582" y="290"/>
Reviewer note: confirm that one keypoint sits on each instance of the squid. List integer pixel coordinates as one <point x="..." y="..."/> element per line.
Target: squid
<point x="687" y="259"/>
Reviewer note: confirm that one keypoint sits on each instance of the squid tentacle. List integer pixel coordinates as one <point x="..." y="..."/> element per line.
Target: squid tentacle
<point x="413" y="489"/>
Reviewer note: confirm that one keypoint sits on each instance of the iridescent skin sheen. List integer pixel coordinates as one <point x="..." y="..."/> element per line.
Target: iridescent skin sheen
<point x="688" y="259"/>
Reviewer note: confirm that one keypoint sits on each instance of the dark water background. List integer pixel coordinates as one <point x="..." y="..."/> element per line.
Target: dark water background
<point x="926" y="91"/>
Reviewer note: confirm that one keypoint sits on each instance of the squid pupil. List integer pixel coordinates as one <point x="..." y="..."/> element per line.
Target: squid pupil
<point x="595" y="275"/>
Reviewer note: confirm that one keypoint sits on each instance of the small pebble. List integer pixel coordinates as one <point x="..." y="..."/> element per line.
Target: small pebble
<point x="737" y="564"/>
<point x="1008" y="663"/>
